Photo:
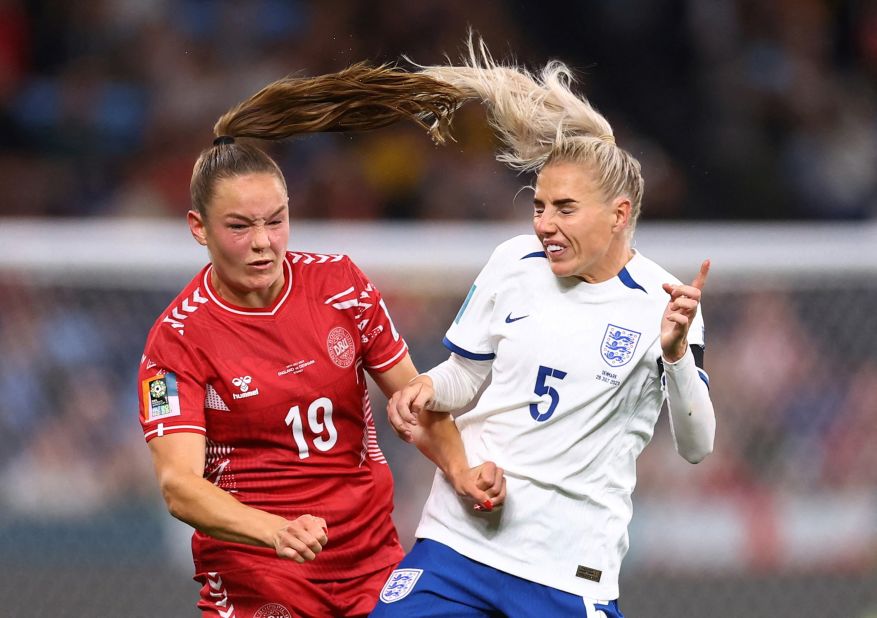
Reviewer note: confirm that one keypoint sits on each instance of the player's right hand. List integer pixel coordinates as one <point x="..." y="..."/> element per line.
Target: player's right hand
<point x="484" y="484"/>
<point x="407" y="403"/>
<point x="301" y="539"/>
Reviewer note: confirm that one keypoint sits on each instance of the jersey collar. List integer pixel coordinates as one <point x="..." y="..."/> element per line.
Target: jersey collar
<point x="270" y="310"/>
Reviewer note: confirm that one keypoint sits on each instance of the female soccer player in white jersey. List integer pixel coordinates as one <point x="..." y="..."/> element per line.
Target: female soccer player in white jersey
<point x="253" y="396"/>
<point x="583" y="339"/>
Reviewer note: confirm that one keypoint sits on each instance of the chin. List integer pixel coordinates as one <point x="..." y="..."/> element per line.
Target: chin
<point x="562" y="270"/>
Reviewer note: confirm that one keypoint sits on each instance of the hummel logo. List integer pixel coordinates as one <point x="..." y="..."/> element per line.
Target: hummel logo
<point x="509" y="319"/>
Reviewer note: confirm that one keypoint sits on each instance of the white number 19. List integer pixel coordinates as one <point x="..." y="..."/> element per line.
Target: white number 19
<point x="317" y="426"/>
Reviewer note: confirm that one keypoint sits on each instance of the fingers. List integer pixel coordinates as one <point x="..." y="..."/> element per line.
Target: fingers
<point x="700" y="279"/>
<point x="490" y="480"/>
<point x="302" y="539"/>
<point x="403" y="428"/>
<point x="400" y="411"/>
<point x="693" y="290"/>
<point x="422" y="399"/>
<point x="681" y="291"/>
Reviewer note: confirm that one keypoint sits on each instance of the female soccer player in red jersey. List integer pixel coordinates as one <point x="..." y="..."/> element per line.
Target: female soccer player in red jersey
<point x="253" y="395"/>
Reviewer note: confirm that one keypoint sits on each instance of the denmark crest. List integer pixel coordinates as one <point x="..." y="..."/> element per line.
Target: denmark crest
<point x="340" y="346"/>
<point x="618" y="345"/>
<point x="272" y="610"/>
<point x="400" y="583"/>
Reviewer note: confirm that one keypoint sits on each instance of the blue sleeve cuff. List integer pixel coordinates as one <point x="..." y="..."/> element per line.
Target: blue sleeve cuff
<point x="466" y="353"/>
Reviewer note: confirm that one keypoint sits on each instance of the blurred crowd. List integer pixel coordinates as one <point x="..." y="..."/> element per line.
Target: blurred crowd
<point x="737" y="109"/>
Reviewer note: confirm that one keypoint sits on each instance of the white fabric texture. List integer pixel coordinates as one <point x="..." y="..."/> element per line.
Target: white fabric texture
<point x="456" y="382"/>
<point x="692" y="418"/>
<point x="574" y="394"/>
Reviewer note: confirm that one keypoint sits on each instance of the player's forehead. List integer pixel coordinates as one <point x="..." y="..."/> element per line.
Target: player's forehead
<point x="564" y="180"/>
<point x="249" y="196"/>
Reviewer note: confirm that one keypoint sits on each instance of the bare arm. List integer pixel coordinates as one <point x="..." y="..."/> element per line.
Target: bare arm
<point x="179" y="458"/>
<point x="436" y="435"/>
<point x="396" y="377"/>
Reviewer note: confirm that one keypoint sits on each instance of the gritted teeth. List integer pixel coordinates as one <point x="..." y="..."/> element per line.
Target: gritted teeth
<point x="553" y="248"/>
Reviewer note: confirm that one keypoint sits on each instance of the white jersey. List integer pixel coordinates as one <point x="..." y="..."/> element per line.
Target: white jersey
<point x="574" y="395"/>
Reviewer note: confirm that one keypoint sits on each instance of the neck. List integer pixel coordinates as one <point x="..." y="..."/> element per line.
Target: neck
<point x="250" y="299"/>
<point x="618" y="255"/>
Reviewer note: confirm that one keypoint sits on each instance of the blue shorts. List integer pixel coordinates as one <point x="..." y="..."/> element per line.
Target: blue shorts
<point x="435" y="581"/>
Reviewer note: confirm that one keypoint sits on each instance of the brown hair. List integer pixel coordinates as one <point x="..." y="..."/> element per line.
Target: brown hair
<point x="358" y="98"/>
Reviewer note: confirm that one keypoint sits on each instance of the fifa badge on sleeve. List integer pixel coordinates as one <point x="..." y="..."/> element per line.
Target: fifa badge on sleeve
<point x="160" y="397"/>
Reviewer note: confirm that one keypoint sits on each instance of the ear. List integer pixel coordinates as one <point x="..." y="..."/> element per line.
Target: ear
<point x="197" y="227"/>
<point x="621" y="208"/>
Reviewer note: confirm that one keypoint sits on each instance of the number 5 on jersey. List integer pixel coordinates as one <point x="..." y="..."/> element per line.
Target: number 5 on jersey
<point x="543" y="389"/>
<point x="319" y="407"/>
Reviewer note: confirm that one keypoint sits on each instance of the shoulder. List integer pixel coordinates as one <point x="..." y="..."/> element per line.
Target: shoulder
<point x="517" y="252"/>
<point x="325" y="272"/>
<point x="525" y="246"/>
<point x="183" y="311"/>
<point x="648" y="273"/>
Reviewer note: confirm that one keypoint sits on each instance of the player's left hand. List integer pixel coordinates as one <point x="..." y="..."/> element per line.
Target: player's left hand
<point x="680" y="312"/>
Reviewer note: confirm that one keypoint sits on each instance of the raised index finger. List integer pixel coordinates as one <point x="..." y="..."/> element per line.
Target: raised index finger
<point x="700" y="279"/>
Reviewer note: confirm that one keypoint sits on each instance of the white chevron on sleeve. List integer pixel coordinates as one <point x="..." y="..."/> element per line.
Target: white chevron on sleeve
<point x="338" y="295"/>
<point x="347" y="304"/>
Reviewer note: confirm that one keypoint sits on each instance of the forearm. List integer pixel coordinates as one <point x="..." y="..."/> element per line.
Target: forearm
<point x="437" y="437"/>
<point x="692" y="418"/>
<point x="204" y="506"/>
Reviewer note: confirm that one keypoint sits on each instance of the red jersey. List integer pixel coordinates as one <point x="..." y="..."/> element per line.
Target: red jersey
<point x="280" y="394"/>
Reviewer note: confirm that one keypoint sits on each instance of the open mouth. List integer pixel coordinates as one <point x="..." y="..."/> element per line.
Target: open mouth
<point x="261" y="264"/>
<point x="554" y="250"/>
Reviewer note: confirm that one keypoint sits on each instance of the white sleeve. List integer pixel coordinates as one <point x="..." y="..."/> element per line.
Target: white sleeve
<point x="469" y="335"/>
<point x="456" y="382"/>
<point x="692" y="418"/>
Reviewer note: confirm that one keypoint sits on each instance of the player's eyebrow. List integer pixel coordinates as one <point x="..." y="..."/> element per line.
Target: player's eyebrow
<point x="561" y="202"/>
<point x="273" y="215"/>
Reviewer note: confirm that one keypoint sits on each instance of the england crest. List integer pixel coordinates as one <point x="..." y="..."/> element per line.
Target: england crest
<point x="400" y="583"/>
<point x="618" y="345"/>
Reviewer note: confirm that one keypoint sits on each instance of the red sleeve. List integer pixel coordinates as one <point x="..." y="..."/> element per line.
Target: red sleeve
<point x="382" y="345"/>
<point x="171" y="393"/>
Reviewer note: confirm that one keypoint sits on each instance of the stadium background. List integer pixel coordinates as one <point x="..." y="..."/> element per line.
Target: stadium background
<point x="755" y="122"/>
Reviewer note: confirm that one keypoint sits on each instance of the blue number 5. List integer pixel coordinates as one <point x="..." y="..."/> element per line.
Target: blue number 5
<point x="541" y="389"/>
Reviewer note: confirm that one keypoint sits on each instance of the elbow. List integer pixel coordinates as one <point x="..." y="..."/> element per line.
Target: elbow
<point x="171" y="486"/>
<point x="696" y="453"/>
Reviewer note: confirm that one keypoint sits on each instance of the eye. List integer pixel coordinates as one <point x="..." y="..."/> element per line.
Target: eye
<point x="538" y="210"/>
<point x="567" y="211"/>
<point x="237" y="227"/>
<point x="275" y="222"/>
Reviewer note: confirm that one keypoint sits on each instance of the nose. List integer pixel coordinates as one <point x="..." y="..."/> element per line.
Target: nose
<point x="544" y="224"/>
<point x="260" y="238"/>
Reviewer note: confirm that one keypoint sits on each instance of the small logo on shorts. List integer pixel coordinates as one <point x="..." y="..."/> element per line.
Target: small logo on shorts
<point x="340" y="346"/>
<point x="272" y="610"/>
<point x="401" y="582"/>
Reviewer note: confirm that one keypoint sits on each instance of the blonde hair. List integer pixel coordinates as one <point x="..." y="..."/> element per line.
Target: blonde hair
<point x="540" y="120"/>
